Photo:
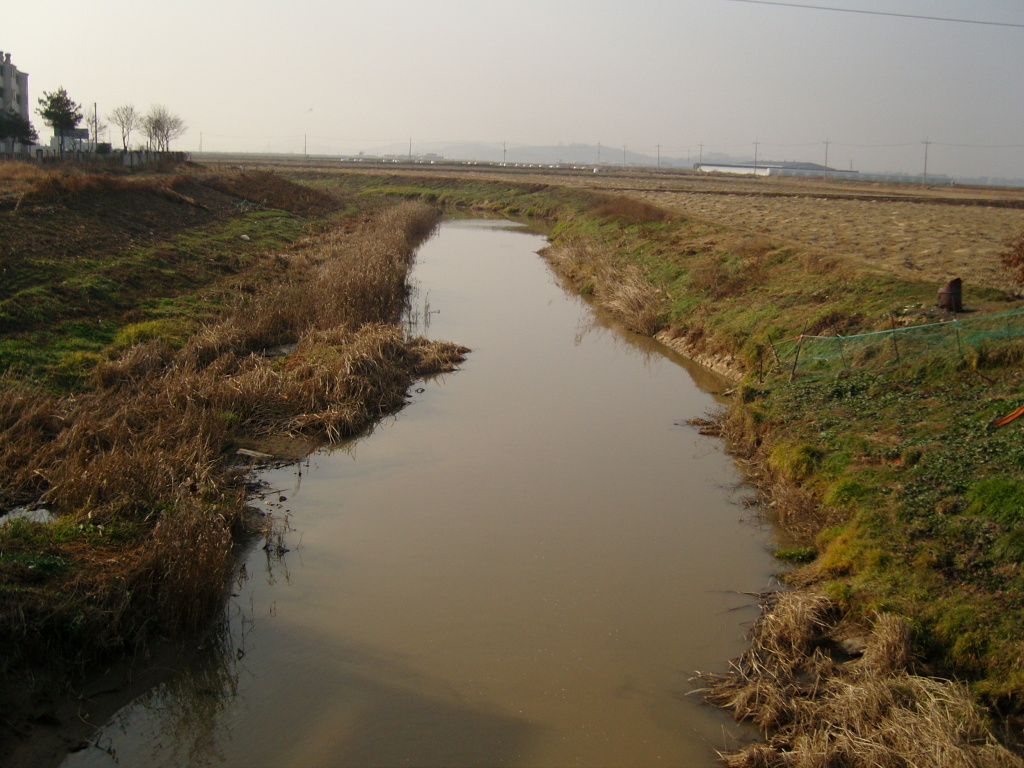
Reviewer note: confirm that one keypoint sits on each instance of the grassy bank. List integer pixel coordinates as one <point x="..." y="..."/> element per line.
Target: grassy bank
<point x="151" y="356"/>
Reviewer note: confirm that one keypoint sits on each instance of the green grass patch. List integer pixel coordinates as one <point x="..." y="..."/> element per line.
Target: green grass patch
<point x="69" y="312"/>
<point x="796" y="555"/>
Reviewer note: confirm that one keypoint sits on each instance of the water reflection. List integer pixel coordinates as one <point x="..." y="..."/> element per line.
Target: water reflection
<point x="195" y="719"/>
<point x="186" y="717"/>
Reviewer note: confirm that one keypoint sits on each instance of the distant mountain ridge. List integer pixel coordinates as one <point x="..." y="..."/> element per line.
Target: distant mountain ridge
<point x="593" y="155"/>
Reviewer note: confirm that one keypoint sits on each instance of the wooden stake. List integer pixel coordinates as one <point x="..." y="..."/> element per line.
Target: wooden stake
<point x="896" y="349"/>
<point x="796" y="358"/>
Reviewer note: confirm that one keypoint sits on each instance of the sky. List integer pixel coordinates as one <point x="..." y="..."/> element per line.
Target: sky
<point x="341" y="76"/>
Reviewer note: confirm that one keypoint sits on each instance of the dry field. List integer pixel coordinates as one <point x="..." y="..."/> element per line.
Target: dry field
<point x="915" y="231"/>
<point x="916" y="240"/>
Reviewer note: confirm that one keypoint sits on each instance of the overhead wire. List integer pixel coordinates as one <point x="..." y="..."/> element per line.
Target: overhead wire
<point x="882" y="13"/>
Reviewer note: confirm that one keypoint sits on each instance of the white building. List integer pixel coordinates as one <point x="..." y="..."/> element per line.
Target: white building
<point x="775" y="168"/>
<point x="13" y="87"/>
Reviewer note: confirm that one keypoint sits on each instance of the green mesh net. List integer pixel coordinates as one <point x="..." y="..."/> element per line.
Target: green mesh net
<point x="829" y="355"/>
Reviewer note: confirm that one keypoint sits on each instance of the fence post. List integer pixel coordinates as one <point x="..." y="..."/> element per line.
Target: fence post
<point x="895" y="348"/>
<point x="956" y="327"/>
<point x="842" y="354"/>
<point x="796" y="358"/>
<point x="774" y="353"/>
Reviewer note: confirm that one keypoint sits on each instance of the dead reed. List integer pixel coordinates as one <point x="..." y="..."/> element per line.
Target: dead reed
<point x="139" y="467"/>
<point x="819" y="708"/>
<point x="16" y="176"/>
<point x="619" y="287"/>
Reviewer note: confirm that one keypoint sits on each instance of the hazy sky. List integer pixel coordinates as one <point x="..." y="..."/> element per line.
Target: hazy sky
<point x="360" y="75"/>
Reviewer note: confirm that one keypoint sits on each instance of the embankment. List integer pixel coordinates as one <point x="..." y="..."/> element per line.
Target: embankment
<point x="123" y="406"/>
<point x="902" y="500"/>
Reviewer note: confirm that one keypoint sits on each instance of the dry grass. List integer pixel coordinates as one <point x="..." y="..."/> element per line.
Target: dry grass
<point x="1012" y="259"/>
<point x="17" y="176"/>
<point x="914" y="234"/>
<point x="144" y="455"/>
<point x="621" y="288"/>
<point x="819" y="709"/>
<point x="629" y="210"/>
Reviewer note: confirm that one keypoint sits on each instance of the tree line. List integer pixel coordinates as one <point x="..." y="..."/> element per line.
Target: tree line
<point x="159" y="125"/>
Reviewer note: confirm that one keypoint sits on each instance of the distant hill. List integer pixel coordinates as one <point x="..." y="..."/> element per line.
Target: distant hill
<point x="592" y="154"/>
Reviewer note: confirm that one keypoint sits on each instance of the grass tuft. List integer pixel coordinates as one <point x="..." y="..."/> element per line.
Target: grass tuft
<point x="869" y="712"/>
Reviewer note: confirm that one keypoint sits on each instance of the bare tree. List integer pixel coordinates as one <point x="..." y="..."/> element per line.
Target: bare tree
<point x="162" y="126"/>
<point x="127" y="119"/>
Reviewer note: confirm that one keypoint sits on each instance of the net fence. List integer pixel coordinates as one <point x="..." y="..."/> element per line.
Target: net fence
<point x="828" y="355"/>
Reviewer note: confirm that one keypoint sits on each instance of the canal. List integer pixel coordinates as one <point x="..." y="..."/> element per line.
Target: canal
<point x="524" y="567"/>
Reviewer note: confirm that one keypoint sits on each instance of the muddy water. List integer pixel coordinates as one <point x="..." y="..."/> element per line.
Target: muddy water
<point x="522" y="568"/>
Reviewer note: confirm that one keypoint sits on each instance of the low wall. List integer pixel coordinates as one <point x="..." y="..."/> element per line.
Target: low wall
<point x="131" y="159"/>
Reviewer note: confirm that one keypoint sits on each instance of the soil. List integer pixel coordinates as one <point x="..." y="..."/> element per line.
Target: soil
<point x="50" y="724"/>
<point x="97" y="222"/>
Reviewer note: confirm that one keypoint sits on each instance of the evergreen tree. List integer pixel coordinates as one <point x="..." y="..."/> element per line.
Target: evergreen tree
<point x="60" y="113"/>
<point x="15" y="128"/>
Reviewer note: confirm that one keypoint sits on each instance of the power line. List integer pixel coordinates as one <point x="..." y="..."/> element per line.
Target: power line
<point x="979" y="146"/>
<point x="882" y="13"/>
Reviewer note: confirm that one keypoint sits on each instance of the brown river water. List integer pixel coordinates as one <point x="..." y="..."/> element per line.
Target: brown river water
<point x="524" y="567"/>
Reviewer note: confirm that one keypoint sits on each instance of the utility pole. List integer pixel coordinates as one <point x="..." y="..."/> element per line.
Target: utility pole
<point x="623" y="155"/>
<point x="827" y="142"/>
<point x="756" y="143"/>
<point x="599" y="153"/>
<point x="410" y="149"/>
<point x="924" y="178"/>
<point x="700" y="159"/>
<point x="503" y="151"/>
<point x="659" y="157"/>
